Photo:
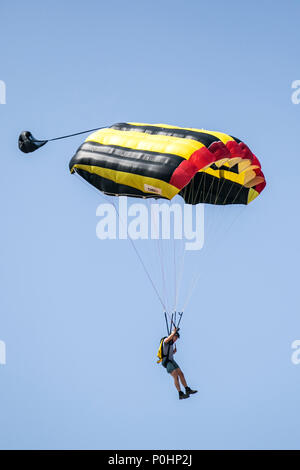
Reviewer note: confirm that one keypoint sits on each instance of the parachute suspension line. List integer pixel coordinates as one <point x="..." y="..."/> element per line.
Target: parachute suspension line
<point x="180" y="265"/>
<point x="160" y="256"/>
<point x="28" y="144"/>
<point x="197" y="276"/>
<point x="172" y="266"/>
<point x="167" y="324"/>
<point x="237" y="194"/>
<point x="184" y="193"/>
<point x="211" y="223"/>
<point x="193" y="190"/>
<point x="224" y="239"/>
<point x="199" y="185"/>
<point x="216" y="231"/>
<point x="71" y="135"/>
<point x="218" y="208"/>
<point x="142" y="263"/>
<point x="190" y="193"/>
<point x="181" y="269"/>
<point x="179" y="278"/>
<point x="231" y="186"/>
<point x="180" y="317"/>
<point x="209" y="195"/>
<point x="167" y="255"/>
<point x="191" y="199"/>
<point x="210" y="189"/>
<point x="217" y="192"/>
<point x="133" y="245"/>
<point x="204" y="179"/>
<point x="223" y="226"/>
<point x="175" y="275"/>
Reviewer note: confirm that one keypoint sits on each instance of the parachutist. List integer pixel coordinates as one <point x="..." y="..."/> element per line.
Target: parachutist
<point x="168" y="351"/>
<point x="160" y="161"/>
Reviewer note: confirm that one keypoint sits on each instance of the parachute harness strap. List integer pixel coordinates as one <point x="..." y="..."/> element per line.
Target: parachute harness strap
<point x="173" y="321"/>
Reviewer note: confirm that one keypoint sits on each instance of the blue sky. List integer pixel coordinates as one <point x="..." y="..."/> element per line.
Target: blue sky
<point x="78" y="316"/>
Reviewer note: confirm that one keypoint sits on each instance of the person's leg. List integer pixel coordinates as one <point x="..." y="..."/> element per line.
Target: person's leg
<point x="174" y="374"/>
<point x="182" y="378"/>
<point x="188" y="390"/>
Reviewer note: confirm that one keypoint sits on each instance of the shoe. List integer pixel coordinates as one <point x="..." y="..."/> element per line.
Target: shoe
<point x="183" y="395"/>
<point x="189" y="391"/>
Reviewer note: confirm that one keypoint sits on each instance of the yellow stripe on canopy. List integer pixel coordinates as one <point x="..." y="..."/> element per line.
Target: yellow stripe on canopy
<point x="142" y="183"/>
<point x="147" y="142"/>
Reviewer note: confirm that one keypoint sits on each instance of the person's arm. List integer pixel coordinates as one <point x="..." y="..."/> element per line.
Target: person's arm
<point x="169" y="338"/>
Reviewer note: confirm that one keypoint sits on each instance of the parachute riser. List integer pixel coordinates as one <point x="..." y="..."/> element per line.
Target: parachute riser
<point x="173" y="320"/>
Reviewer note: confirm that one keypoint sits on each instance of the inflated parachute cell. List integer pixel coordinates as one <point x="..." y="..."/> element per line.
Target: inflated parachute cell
<point x="160" y="161"/>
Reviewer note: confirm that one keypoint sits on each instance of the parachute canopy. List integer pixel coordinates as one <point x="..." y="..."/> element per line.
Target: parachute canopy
<point x="160" y="161"/>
